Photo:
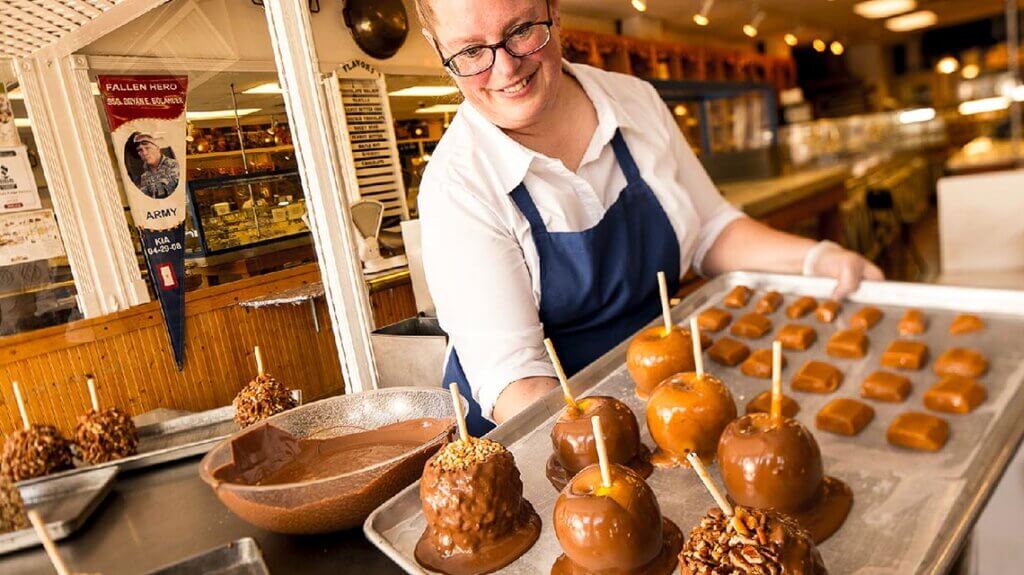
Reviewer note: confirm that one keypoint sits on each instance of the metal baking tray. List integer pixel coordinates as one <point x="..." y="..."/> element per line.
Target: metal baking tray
<point x="240" y="557"/>
<point x="171" y="440"/>
<point x="65" y="504"/>
<point x="912" y="511"/>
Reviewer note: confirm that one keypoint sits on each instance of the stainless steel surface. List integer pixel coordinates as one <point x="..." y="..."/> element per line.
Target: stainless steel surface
<point x="924" y="503"/>
<point x="242" y="557"/>
<point x="410" y="352"/>
<point x="64" y="505"/>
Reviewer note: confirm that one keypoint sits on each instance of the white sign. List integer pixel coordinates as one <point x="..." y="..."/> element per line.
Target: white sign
<point x="18" y="190"/>
<point x="29" y="237"/>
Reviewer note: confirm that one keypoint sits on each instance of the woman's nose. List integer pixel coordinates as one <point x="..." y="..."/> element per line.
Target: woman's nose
<point x="505" y="64"/>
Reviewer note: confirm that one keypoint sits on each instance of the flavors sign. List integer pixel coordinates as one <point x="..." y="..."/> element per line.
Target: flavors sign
<point x="148" y="128"/>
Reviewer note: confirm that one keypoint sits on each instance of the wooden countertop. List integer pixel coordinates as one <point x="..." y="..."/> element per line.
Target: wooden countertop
<point x="763" y="196"/>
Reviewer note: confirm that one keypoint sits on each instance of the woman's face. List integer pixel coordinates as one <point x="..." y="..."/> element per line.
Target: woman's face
<point x="516" y="92"/>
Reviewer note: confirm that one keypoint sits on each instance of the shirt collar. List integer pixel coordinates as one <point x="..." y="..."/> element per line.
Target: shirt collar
<point x="511" y="161"/>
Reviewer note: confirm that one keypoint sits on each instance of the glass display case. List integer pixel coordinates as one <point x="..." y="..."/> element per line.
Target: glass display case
<point x="237" y="212"/>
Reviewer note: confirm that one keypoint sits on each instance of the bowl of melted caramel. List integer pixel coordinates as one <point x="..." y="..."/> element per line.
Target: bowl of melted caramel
<point x="326" y="465"/>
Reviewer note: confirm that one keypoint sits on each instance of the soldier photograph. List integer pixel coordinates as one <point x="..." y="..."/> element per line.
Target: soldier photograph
<point x="151" y="165"/>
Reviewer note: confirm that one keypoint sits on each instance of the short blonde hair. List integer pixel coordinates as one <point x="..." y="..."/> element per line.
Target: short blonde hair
<point x="425" y="13"/>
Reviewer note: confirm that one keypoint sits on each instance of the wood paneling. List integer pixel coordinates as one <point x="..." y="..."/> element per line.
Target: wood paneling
<point x="129" y="355"/>
<point x="393" y="304"/>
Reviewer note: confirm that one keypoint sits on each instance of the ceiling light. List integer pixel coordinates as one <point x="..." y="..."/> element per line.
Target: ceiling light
<point x="912" y="21"/>
<point x="639" y="5"/>
<point x="883" y="8"/>
<point x="984" y="105"/>
<point x="970" y="71"/>
<point x="425" y="91"/>
<point x="917" y="116"/>
<point x="791" y="39"/>
<point x="750" y="29"/>
<point x="703" y="16"/>
<point x="947" y="65"/>
<point x="199" y="116"/>
<point x="837" y="47"/>
<point x="22" y="123"/>
<point x="439" y="109"/>
<point x="701" y="20"/>
<point x="266" y="88"/>
<point x="819" y="45"/>
<point x="1017" y="93"/>
<point x="679" y="110"/>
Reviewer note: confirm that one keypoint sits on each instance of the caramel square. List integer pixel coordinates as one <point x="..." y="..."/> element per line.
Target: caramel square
<point x="961" y="361"/>
<point x="844" y="416"/>
<point x="762" y="403"/>
<point x="913" y="322"/>
<point x="796" y="336"/>
<point x="713" y="319"/>
<point x="866" y="318"/>
<point x="738" y="297"/>
<point x="828" y="311"/>
<point x="903" y="354"/>
<point x="728" y="351"/>
<point x="751" y="326"/>
<point x="885" y="386"/>
<point x="769" y="303"/>
<point x="847" y="344"/>
<point x="759" y="364"/>
<point x="817" y="377"/>
<point x="955" y="394"/>
<point x="966" y="323"/>
<point x="915" y="430"/>
<point x="801" y="307"/>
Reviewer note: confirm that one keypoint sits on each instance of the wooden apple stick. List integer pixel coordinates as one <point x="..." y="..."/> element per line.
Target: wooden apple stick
<point x="602" y="452"/>
<point x="460" y="417"/>
<point x="698" y="350"/>
<point x="21" y="405"/>
<point x="259" y="361"/>
<point x="92" y="394"/>
<point x="776" y="381"/>
<point x="666" y="309"/>
<point x="51" y="548"/>
<point x="715" y="492"/>
<point x="569" y="400"/>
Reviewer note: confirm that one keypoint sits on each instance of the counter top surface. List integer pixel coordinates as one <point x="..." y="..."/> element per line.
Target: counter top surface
<point x="161" y="516"/>
<point x="763" y="196"/>
<point x="985" y="153"/>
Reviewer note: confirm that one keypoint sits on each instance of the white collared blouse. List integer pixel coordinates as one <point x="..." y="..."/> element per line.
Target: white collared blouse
<point x="480" y="260"/>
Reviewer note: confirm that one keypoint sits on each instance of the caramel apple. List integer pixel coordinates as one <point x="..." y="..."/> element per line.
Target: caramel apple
<point x="688" y="413"/>
<point x="614" y="529"/>
<point x="477" y="518"/>
<point x="572" y="439"/>
<point x="776" y="464"/>
<point x="656" y="354"/>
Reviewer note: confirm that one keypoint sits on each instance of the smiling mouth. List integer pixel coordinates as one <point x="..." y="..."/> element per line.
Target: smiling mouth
<point x="518" y="86"/>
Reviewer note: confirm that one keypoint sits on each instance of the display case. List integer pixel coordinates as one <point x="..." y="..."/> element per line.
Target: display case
<point x="237" y="212"/>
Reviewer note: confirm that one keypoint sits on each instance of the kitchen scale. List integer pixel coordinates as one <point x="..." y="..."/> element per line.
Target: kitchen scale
<point x="367" y="216"/>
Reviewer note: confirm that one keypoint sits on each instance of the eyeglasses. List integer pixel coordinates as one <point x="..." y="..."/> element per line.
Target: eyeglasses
<point x="522" y="41"/>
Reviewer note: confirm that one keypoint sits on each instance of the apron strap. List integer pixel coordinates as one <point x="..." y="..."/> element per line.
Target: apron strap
<point x="523" y="201"/>
<point x="625" y="159"/>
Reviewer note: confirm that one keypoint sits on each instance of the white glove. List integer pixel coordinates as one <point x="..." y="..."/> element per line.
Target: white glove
<point x="827" y="259"/>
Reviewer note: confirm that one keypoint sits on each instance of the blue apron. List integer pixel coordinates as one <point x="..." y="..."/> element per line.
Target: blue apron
<point x="597" y="286"/>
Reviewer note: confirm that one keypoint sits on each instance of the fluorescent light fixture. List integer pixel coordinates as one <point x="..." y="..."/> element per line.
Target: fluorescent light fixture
<point x="199" y="116"/>
<point x="875" y="9"/>
<point x="912" y="21"/>
<point x="947" y="65"/>
<point x="1016" y="93"/>
<point x="917" y="116"/>
<point x="819" y="45"/>
<point x="983" y="106"/>
<point x="639" y="5"/>
<point x="425" y="91"/>
<point x="970" y="71"/>
<point x="837" y="47"/>
<point x="791" y="39"/>
<point x="22" y="123"/>
<point x="265" y="88"/>
<point x="439" y="109"/>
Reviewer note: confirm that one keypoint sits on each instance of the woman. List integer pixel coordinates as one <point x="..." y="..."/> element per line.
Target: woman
<point x="553" y="199"/>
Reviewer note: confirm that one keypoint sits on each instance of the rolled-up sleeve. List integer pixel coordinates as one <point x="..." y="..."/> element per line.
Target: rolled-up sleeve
<point x="714" y="211"/>
<point x="481" y="286"/>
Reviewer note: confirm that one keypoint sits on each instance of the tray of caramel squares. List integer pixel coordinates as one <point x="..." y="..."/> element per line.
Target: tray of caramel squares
<point x="911" y="393"/>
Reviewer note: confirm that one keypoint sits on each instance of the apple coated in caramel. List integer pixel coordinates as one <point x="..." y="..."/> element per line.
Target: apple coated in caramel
<point x="817" y="377"/>
<point x="686" y="413"/>
<point x="885" y="386"/>
<point x="844" y="416"/>
<point x="920" y="431"/>
<point x="759" y="364"/>
<point x="955" y="394"/>
<point x="654" y="355"/>
<point x="905" y="354"/>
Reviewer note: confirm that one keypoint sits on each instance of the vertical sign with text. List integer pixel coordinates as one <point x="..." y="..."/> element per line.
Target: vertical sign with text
<point x="148" y="128"/>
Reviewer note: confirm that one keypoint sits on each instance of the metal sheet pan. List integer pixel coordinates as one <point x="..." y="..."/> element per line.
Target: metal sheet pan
<point x="241" y="557"/>
<point x="912" y="510"/>
<point x="171" y="440"/>
<point x="65" y="504"/>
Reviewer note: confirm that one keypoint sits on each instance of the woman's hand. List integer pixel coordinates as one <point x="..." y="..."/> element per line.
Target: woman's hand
<point x="849" y="268"/>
